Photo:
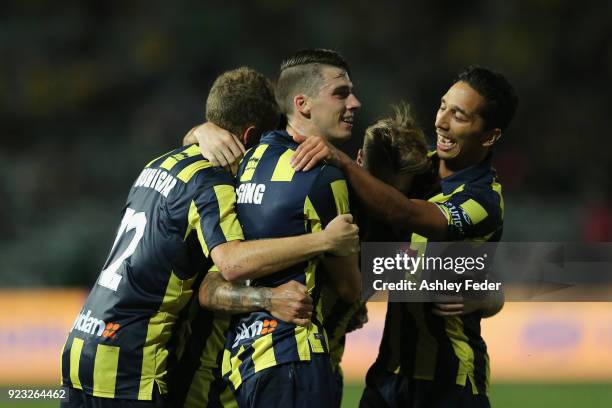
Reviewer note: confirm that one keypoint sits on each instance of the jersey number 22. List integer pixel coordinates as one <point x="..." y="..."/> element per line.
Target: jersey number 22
<point x="109" y="278"/>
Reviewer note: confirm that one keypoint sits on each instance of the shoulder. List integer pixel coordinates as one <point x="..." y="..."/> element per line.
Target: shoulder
<point x="211" y="176"/>
<point x="327" y="174"/>
<point x="486" y="194"/>
<point x="474" y="212"/>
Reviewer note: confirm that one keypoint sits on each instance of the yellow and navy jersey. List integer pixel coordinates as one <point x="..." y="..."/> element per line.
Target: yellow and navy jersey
<point x="178" y="210"/>
<point x="275" y="201"/>
<point x="195" y="380"/>
<point x="448" y="350"/>
<point x="337" y="315"/>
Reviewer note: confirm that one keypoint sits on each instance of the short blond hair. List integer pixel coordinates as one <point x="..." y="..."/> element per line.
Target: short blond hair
<point x="241" y="98"/>
<point x="396" y="143"/>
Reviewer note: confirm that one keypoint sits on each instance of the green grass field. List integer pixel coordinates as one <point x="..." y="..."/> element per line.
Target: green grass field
<point x="502" y="396"/>
<point x="527" y="395"/>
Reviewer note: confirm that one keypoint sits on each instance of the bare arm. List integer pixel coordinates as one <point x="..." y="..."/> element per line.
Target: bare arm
<point x="345" y="276"/>
<point x="232" y="297"/>
<point x="288" y="302"/>
<point x="393" y="208"/>
<point x="380" y="199"/>
<point x="241" y="260"/>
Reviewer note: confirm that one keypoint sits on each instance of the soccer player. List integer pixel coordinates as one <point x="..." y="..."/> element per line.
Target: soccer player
<point x="222" y="296"/>
<point x="394" y="150"/>
<point x="270" y="362"/>
<point x="440" y="353"/>
<point x="179" y="217"/>
<point x="195" y="380"/>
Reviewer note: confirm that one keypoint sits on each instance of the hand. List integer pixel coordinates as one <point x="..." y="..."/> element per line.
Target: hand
<point x="190" y="138"/>
<point x="291" y="303"/>
<point x="313" y="150"/>
<point x="219" y="146"/>
<point x="343" y="235"/>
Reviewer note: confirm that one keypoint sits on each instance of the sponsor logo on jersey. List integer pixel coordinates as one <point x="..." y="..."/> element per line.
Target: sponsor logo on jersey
<point x="458" y="217"/>
<point x="255" y="329"/>
<point x="88" y="324"/>
<point x="251" y="164"/>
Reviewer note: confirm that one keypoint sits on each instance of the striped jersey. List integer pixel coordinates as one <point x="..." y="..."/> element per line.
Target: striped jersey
<point x="195" y="381"/>
<point x="178" y="209"/>
<point x="337" y="315"/>
<point x="275" y="201"/>
<point x="448" y="350"/>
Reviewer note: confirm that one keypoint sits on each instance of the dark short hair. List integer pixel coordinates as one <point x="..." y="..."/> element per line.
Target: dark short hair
<point x="301" y="73"/>
<point x="241" y="98"/>
<point x="500" y="97"/>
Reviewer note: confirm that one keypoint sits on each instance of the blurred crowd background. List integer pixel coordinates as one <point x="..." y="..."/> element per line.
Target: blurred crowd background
<point x="89" y="91"/>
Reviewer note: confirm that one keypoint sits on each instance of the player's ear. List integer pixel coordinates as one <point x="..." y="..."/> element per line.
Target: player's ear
<point x="251" y="136"/>
<point x="301" y="104"/>
<point x="491" y="137"/>
<point x="359" y="158"/>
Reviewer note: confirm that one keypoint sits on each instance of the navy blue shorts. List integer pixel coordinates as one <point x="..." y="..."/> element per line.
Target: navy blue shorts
<point x="300" y="384"/>
<point x="338" y="387"/>
<point x="384" y="389"/>
<point x="388" y="390"/>
<point x="79" y="399"/>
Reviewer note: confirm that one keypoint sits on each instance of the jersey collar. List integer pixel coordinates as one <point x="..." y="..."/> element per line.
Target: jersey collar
<point x="279" y="137"/>
<point x="469" y="175"/>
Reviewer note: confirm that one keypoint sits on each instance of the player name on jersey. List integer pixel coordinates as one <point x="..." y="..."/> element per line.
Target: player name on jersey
<point x="156" y="179"/>
<point x="250" y="193"/>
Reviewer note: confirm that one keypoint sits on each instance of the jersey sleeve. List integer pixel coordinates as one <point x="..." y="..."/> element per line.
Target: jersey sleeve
<point x="327" y="198"/>
<point x="472" y="214"/>
<point x="212" y="214"/>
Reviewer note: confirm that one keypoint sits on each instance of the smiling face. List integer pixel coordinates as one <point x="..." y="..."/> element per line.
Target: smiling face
<point x="462" y="140"/>
<point x="332" y="110"/>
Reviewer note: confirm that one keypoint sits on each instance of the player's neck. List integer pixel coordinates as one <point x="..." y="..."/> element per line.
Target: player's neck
<point x="293" y="131"/>
<point x="444" y="171"/>
<point x="295" y="128"/>
<point x="449" y="167"/>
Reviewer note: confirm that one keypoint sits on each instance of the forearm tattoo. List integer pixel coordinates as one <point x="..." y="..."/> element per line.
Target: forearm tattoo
<point x="228" y="297"/>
